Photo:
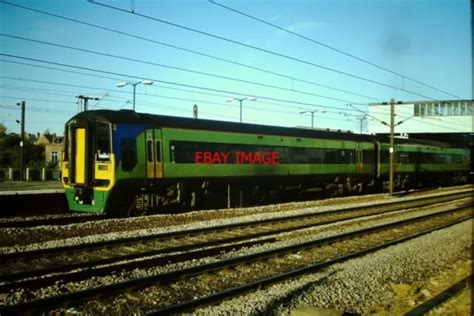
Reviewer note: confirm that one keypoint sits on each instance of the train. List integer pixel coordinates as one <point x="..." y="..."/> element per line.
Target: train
<point x="124" y="163"/>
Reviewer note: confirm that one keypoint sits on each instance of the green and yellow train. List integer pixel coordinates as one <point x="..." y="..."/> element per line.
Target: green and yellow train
<point x="126" y="163"/>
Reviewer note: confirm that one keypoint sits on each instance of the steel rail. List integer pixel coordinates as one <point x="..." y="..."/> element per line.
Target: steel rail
<point x="61" y="268"/>
<point x="82" y="296"/>
<point x="49" y="275"/>
<point x="43" y="280"/>
<point x="183" y="233"/>
<point x="440" y="298"/>
<point x="59" y="221"/>
<point x="230" y="292"/>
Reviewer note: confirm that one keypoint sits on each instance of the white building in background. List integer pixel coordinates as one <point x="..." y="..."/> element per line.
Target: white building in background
<point x="423" y="117"/>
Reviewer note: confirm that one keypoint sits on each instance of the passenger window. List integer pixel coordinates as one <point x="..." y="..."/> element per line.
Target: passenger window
<point x="149" y="150"/>
<point x="103" y="143"/>
<point x="172" y="154"/>
<point x="403" y="158"/>
<point x="158" y="151"/>
<point x="368" y="156"/>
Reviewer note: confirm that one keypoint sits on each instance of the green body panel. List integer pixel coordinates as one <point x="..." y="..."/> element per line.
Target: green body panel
<point x="184" y="170"/>
<point x="100" y="201"/>
<point x="195" y="171"/>
<point x="425" y="167"/>
<point x="425" y="149"/>
<point x="401" y="167"/>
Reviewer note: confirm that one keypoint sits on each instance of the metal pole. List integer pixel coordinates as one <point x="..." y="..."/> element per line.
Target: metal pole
<point x="134" y="87"/>
<point x="312" y="120"/>
<point x="241" y="100"/>
<point x="195" y="111"/>
<point x="22" y="143"/>
<point x="392" y="148"/>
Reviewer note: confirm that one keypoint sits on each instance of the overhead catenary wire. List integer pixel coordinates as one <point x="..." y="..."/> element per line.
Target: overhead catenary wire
<point x="37" y="109"/>
<point x="226" y="39"/>
<point x="35" y="122"/>
<point x="54" y="111"/>
<point x="39" y="90"/>
<point x="59" y="69"/>
<point x="196" y="92"/>
<point x="192" y="100"/>
<point x="146" y="104"/>
<point x="168" y="82"/>
<point x="97" y="88"/>
<point x="73" y="93"/>
<point x="178" y="68"/>
<point x="386" y="111"/>
<point x="31" y="99"/>
<point x="180" y="84"/>
<point x="403" y="119"/>
<point x="312" y="40"/>
<point x="156" y="105"/>
<point x="290" y="77"/>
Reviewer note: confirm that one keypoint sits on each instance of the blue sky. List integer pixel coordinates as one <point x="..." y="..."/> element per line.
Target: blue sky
<point x="429" y="41"/>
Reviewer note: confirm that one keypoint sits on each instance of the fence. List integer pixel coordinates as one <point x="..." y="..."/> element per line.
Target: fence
<point x="10" y="174"/>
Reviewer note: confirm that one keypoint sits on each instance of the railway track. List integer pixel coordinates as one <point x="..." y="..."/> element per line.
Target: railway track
<point x="52" y="219"/>
<point x="212" y="249"/>
<point x="17" y="265"/>
<point x="439" y="299"/>
<point x="187" y="288"/>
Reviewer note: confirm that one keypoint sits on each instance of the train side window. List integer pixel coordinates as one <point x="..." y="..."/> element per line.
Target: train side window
<point x="128" y="148"/>
<point x="158" y="151"/>
<point x="338" y="156"/>
<point x="298" y="155"/>
<point x="384" y="156"/>
<point x="316" y="155"/>
<point x="172" y="154"/>
<point x="282" y="154"/>
<point x="403" y="158"/>
<point x="102" y="143"/>
<point x="368" y="156"/>
<point x="149" y="150"/>
<point x="457" y="158"/>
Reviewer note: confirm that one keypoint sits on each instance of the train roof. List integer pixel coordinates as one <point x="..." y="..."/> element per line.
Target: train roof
<point x="153" y="120"/>
<point x="131" y="117"/>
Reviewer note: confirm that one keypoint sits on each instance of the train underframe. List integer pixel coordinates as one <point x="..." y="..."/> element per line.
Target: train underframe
<point x="406" y="181"/>
<point x="193" y="194"/>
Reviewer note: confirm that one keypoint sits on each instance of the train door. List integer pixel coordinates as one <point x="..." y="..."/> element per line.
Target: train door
<point x="359" y="158"/>
<point x="79" y="154"/>
<point x="154" y="161"/>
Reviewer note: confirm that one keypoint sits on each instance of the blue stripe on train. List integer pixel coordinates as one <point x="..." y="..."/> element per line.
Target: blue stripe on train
<point x="124" y="131"/>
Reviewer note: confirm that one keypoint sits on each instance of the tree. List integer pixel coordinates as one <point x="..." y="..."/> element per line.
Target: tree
<point x="3" y="130"/>
<point x="10" y="150"/>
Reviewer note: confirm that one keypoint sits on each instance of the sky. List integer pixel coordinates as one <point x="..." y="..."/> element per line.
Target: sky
<point x="331" y="57"/>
